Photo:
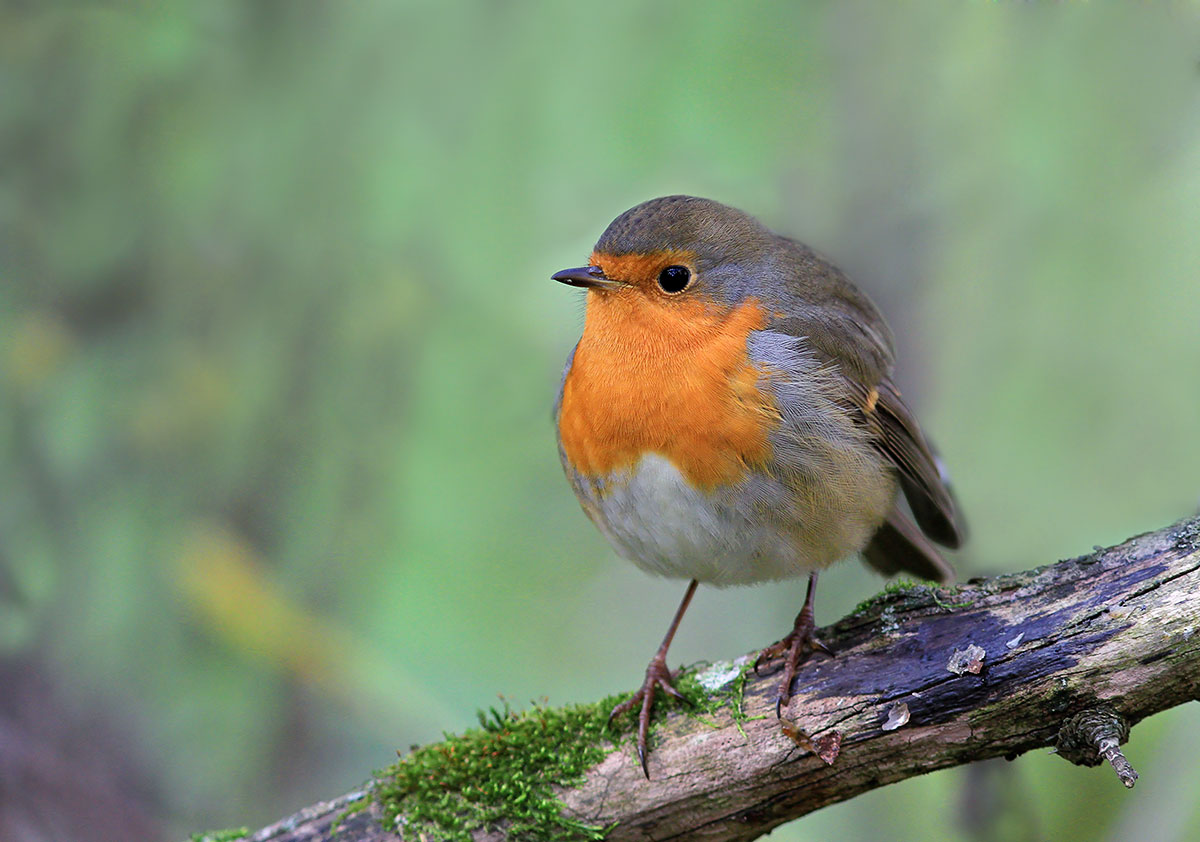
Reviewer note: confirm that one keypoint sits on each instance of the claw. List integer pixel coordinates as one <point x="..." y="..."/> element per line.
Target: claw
<point x="765" y="656"/>
<point x="614" y="713"/>
<point x="801" y="642"/>
<point x="657" y="677"/>
<point x="771" y="653"/>
<point x="670" y="689"/>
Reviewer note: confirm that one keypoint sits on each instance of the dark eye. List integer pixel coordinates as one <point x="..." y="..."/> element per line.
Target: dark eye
<point x="674" y="278"/>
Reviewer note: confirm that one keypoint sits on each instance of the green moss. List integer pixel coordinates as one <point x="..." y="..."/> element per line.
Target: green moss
<point x="228" y="835"/>
<point x="504" y="774"/>
<point x="501" y="774"/>
<point x="710" y="688"/>
<point x="891" y="589"/>
<point x="952" y="591"/>
<point x="353" y="808"/>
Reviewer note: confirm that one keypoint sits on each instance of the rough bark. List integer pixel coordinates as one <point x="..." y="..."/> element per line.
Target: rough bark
<point x="1073" y="654"/>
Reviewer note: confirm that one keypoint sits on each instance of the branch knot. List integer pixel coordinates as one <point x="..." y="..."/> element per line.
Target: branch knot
<point x="1094" y="735"/>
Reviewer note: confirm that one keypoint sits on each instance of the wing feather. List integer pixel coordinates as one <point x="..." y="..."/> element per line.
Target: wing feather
<point x="843" y="328"/>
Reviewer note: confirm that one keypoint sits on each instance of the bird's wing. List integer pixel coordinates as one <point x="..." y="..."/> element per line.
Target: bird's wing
<point x="839" y="325"/>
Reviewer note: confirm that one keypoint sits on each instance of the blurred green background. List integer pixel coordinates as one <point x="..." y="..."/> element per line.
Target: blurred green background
<point x="279" y="491"/>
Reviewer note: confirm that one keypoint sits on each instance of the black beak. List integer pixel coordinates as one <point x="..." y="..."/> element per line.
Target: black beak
<point x="588" y="277"/>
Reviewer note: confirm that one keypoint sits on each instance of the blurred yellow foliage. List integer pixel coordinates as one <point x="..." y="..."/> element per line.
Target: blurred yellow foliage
<point x="227" y="585"/>
<point x="40" y="343"/>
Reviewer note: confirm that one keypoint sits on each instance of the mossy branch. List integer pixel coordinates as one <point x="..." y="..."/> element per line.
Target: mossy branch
<point x="1072" y="654"/>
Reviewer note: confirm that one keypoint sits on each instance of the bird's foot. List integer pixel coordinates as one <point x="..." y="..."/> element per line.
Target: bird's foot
<point x="801" y="642"/>
<point x="657" y="677"/>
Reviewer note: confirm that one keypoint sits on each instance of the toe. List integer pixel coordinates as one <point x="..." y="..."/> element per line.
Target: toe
<point x="624" y="707"/>
<point x="669" y="688"/>
<point x="771" y="653"/>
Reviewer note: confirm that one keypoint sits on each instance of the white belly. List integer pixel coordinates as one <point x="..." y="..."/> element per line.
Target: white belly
<point x="745" y="534"/>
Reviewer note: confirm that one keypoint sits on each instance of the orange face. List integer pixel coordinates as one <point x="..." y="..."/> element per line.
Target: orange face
<point x="666" y="373"/>
<point x="642" y="270"/>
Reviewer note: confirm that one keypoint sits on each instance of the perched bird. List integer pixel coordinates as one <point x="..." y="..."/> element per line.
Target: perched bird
<point x="729" y="417"/>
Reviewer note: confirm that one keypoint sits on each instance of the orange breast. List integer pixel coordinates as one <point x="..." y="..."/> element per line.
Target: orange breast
<point x="666" y="376"/>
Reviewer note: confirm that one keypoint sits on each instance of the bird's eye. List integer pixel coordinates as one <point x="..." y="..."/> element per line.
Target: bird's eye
<point x="674" y="278"/>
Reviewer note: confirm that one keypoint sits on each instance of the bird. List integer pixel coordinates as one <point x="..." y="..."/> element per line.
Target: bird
<point x="729" y="417"/>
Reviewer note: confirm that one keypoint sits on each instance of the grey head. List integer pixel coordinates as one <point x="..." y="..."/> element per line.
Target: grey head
<point x="735" y="255"/>
<point x="714" y="232"/>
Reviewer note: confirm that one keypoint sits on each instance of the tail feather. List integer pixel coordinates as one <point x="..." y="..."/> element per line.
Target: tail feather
<point x="898" y="546"/>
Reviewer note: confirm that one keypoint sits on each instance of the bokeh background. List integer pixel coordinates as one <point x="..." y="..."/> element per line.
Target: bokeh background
<point x="279" y="491"/>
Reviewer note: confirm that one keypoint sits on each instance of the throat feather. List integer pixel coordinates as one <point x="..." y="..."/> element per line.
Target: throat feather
<point x="667" y="377"/>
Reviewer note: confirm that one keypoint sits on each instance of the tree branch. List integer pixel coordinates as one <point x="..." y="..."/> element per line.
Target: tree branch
<point x="1072" y="654"/>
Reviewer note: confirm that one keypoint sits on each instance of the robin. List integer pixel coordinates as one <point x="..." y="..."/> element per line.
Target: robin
<point x="729" y="417"/>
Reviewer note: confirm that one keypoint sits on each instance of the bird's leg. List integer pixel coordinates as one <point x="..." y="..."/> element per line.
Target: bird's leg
<point x="798" y="645"/>
<point x="657" y="676"/>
